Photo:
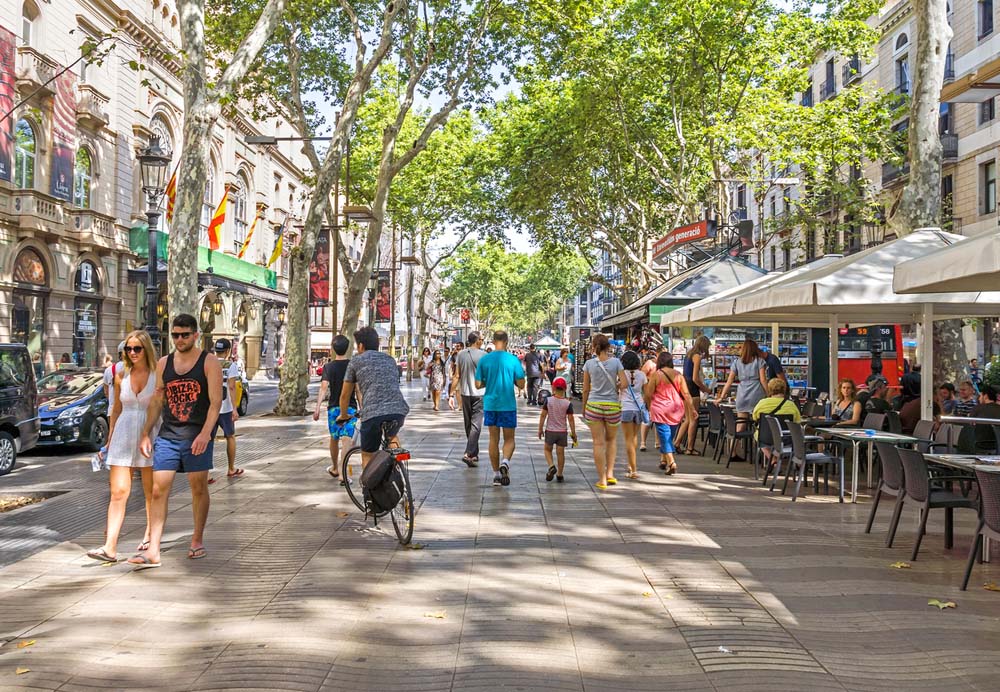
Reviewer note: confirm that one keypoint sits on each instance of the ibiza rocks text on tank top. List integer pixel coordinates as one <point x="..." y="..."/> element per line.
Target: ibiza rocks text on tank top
<point x="186" y="400"/>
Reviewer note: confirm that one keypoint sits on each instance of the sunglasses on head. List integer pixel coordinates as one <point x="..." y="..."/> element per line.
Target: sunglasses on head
<point x="133" y="349"/>
<point x="180" y="335"/>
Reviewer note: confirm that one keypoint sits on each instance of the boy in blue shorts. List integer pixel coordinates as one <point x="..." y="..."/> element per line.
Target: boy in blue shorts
<point x="329" y="391"/>
<point x="499" y="372"/>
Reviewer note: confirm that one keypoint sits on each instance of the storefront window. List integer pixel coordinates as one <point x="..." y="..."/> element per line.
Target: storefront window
<point x="28" y="314"/>
<point x="86" y="330"/>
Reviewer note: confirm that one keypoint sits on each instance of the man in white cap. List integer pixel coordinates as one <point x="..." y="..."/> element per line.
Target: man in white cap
<point x="109" y="376"/>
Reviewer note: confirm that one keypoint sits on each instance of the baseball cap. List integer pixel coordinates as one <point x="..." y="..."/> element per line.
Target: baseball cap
<point x="559" y="383"/>
<point x="222" y="345"/>
<point x="875" y="381"/>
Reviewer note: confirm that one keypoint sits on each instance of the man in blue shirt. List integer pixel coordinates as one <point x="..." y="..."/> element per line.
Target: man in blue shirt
<point x="499" y="372"/>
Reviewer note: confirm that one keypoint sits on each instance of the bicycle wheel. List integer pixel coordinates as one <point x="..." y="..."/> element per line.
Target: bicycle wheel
<point x="402" y="513"/>
<point x="350" y="473"/>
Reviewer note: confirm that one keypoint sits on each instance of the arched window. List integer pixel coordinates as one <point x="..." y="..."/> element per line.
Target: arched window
<point x="240" y="217"/>
<point x="901" y="41"/>
<point x="29" y="22"/>
<point x="81" y="179"/>
<point x="24" y="155"/>
<point x="207" y="203"/>
<point x="160" y="128"/>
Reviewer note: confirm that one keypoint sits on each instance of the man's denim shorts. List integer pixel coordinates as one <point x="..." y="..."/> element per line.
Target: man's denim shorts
<point x="175" y="455"/>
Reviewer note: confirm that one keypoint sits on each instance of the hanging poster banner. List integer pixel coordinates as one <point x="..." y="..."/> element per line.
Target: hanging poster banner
<point x="383" y="296"/>
<point x="7" y="93"/>
<point x="63" y="136"/>
<point x="319" y="272"/>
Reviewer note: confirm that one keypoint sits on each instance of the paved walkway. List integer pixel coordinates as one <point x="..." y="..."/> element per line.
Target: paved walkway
<point x="701" y="581"/>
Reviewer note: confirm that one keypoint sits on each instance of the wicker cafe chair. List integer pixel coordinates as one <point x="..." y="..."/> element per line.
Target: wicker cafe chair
<point x="891" y="482"/>
<point x="734" y="434"/>
<point x="802" y="459"/>
<point x="919" y="488"/>
<point x="989" y="515"/>
<point x="874" y="421"/>
<point x="895" y="422"/>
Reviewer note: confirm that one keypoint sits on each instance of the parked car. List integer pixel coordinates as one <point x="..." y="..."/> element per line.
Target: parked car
<point x="244" y="403"/>
<point x="73" y="408"/>
<point x="18" y="405"/>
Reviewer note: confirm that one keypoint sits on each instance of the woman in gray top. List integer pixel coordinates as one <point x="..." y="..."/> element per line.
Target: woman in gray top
<point x="603" y="381"/>
<point x="750" y="368"/>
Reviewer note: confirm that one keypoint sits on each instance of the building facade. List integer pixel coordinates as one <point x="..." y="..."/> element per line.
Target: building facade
<point x="73" y="233"/>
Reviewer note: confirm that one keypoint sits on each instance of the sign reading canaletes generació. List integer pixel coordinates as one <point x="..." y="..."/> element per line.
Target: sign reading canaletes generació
<point x="683" y="235"/>
<point x="6" y="104"/>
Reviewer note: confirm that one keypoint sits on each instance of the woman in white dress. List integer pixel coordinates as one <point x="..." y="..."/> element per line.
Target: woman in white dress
<point x="134" y="387"/>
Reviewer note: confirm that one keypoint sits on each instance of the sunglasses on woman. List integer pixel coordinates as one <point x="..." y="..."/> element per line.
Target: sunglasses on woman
<point x="133" y="349"/>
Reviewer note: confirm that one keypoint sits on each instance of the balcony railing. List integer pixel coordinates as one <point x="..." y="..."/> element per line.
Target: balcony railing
<point x="827" y="89"/>
<point x="892" y="172"/>
<point x="949" y="147"/>
<point x="34" y="71"/>
<point x="949" y="67"/>
<point x="852" y="71"/>
<point x="95" y="230"/>
<point x="91" y="107"/>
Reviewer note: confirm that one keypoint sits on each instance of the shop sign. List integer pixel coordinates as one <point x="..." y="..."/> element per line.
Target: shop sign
<point x="86" y="324"/>
<point x="681" y="236"/>
<point x="86" y="278"/>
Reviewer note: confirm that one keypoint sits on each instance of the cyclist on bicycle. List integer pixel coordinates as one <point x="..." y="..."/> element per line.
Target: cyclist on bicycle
<point x="375" y="376"/>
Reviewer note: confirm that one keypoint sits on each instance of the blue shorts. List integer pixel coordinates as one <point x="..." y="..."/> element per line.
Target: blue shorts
<point x="175" y="455"/>
<point x="338" y="430"/>
<point x="500" y="419"/>
<point x="225" y="421"/>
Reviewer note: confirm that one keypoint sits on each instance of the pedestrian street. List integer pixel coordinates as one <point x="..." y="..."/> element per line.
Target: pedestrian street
<point x="699" y="581"/>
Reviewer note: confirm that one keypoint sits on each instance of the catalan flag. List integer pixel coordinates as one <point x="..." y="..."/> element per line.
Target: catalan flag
<point x="215" y="225"/>
<point x="172" y="195"/>
<point x="246" y="241"/>
<point x="277" y="246"/>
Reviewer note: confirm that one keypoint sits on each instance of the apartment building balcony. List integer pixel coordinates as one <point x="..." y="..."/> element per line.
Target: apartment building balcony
<point x="91" y="107"/>
<point x="949" y="147"/>
<point x="851" y="71"/>
<point x="900" y="94"/>
<point x="34" y="70"/>
<point x="38" y="214"/>
<point x="827" y="90"/>
<point x="949" y="67"/>
<point x="893" y="173"/>
<point x="97" y="232"/>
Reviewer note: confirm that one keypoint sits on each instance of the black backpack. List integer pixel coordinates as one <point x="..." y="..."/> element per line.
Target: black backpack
<point x="382" y="481"/>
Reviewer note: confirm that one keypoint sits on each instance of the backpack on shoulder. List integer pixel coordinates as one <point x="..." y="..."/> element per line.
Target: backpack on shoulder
<point x="382" y="482"/>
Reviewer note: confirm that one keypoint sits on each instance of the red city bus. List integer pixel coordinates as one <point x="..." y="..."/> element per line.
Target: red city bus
<point x="854" y="352"/>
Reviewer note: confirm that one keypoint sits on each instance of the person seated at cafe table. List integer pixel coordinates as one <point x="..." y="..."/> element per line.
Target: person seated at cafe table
<point x="777" y="403"/>
<point x="946" y="398"/>
<point x="966" y="400"/>
<point x="847" y="409"/>
<point x="980" y="439"/>
<point x="876" y="398"/>
<point x="909" y="413"/>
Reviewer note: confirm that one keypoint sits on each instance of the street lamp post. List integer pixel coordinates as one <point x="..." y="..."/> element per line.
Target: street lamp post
<point x="153" y="164"/>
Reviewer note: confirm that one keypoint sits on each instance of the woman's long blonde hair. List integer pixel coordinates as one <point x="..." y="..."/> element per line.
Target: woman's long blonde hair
<point x="147" y="349"/>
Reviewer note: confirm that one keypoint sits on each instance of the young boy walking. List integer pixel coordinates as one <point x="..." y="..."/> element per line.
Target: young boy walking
<point x="556" y="418"/>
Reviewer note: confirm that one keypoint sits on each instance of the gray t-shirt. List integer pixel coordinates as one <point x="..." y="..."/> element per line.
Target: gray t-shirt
<point x="467" y="361"/>
<point x="377" y="378"/>
<point x="603" y="387"/>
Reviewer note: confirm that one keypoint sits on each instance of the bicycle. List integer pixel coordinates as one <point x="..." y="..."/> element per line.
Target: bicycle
<point x="403" y="513"/>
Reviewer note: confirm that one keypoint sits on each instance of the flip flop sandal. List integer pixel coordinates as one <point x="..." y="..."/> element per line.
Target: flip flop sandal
<point x="600" y="486"/>
<point x="642" y="449"/>
<point x="693" y="452"/>
<point x="211" y="481"/>
<point x="672" y="470"/>
<point x="196" y="553"/>
<point x="632" y="475"/>
<point x="551" y="473"/>
<point x="663" y="466"/>
<point x="141" y="562"/>
<point x="333" y="473"/>
<point x="143" y="547"/>
<point x="101" y="555"/>
<point x="612" y="481"/>
<point x="235" y="474"/>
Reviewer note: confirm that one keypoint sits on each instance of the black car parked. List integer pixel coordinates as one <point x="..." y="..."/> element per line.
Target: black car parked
<point x="73" y="408"/>
<point x="18" y="405"/>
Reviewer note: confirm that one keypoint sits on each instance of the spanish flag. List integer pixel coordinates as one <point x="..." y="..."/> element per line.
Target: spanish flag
<point x="246" y="242"/>
<point x="172" y="195"/>
<point x="215" y="225"/>
<point x="277" y="246"/>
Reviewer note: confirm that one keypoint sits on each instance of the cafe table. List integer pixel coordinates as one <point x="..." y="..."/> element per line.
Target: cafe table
<point x="967" y="463"/>
<point x="967" y="420"/>
<point x="858" y="435"/>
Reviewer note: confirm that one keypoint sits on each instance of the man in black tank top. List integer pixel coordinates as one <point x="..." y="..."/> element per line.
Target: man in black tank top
<point x="188" y="395"/>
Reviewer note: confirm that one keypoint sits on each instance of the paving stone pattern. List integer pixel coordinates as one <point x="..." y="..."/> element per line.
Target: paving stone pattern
<point x="700" y="581"/>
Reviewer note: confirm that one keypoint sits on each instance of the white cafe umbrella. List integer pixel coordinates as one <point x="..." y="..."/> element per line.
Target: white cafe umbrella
<point x="970" y="264"/>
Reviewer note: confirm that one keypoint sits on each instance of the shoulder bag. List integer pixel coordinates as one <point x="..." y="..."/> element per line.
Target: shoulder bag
<point x="643" y="411"/>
